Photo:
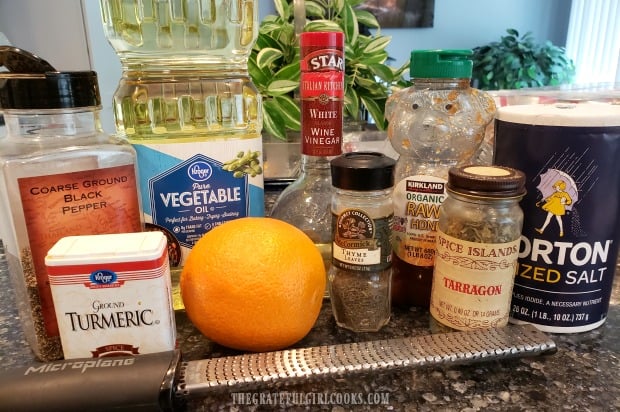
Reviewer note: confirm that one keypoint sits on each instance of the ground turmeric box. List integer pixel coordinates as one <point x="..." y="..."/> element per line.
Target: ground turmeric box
<point x="112" y="294"/>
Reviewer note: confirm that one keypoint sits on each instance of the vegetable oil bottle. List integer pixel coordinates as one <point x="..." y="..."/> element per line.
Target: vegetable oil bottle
<point x="187" y="104"/>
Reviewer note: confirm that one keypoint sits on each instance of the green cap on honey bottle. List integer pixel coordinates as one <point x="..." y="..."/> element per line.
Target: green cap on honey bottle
<point x="427" y="64"/>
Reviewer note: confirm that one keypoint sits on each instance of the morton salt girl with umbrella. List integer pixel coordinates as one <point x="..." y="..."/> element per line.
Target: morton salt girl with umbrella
<point x="558" y="197"/>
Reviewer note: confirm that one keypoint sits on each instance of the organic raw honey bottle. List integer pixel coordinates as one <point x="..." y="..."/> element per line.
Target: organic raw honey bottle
<point x="437" y="123"/>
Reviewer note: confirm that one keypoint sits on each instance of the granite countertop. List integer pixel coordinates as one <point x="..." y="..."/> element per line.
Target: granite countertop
<point x="583" y="374"/>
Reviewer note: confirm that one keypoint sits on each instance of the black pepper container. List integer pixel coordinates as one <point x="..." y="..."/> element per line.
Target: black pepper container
<point x="60" y="175"/>
<point x="360" y="276"/>
<point x="478" y="240"/>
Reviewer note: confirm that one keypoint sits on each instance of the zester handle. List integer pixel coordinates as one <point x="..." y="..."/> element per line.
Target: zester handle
<point x="127" y="383"/>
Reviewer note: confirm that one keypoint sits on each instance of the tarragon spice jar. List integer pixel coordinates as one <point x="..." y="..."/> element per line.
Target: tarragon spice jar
<point x="478" y="238"/>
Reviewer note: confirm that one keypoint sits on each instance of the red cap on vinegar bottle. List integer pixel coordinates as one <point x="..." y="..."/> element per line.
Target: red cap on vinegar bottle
<point x="328" y="39"/>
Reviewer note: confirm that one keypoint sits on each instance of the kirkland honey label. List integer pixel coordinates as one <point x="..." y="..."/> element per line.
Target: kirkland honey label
<point x="416" y="215"/>
<point x="569" y="244"/>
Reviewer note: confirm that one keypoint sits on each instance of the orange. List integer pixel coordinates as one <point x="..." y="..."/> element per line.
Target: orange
<point x="254" y="284"/>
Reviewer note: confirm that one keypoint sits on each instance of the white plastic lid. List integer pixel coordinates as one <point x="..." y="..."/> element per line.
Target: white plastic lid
<point x="562" y="114"/>
<point x="109" y="248"/>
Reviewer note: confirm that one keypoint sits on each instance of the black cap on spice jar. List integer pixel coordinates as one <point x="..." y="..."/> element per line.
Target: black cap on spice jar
<point x="363" y="171"/>
<point x="487" y="181"/>
<point x="49" y="90"/>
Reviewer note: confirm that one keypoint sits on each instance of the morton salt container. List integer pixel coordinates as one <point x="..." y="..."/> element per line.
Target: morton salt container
<point x="187" y="104"/>
<point x="569" y="248"/>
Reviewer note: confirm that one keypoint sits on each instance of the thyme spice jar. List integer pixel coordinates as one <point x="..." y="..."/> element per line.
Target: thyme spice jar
<point x="478" y="237"/>
<point x="360" y="275"/>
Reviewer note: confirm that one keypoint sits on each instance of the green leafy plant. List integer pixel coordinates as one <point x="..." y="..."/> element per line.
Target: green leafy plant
<point x="274" y="62"/>
<point x="516" y="62"/>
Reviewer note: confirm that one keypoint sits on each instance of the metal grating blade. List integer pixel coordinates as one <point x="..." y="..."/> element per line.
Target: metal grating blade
<point x="199" y="378"/>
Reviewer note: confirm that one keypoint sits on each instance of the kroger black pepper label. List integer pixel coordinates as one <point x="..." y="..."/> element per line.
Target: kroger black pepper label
<point x="360" y="242"/>
<point x="63" y="204"/>
<point x="569" y="243"/>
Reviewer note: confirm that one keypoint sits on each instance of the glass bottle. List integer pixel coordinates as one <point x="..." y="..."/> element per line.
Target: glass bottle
<point x="435" y="124"/>
<point x="478" y="239"/>
<point x="187" y="104"/>
<point x="360" y="276"/>
<point x="305" y="203"/>
<point x="60" y="175"/>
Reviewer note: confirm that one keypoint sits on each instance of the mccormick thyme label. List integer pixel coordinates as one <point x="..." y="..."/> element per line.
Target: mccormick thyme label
<point x="361" y="243"/>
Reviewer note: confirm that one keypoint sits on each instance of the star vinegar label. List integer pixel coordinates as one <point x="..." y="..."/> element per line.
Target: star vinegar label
<point x="322" y="97"/>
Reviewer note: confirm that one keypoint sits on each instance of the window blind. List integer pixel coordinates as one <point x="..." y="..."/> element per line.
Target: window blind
<point x="593" y="40"/>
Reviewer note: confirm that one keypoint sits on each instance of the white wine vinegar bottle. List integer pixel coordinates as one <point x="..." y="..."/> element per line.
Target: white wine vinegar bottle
<point x="305" y="203"/>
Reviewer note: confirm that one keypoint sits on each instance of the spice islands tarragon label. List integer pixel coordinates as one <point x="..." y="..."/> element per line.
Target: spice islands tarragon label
<point x="472" y="282"/>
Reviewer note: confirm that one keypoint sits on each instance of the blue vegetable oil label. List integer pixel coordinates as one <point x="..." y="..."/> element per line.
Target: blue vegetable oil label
<point x="191" y="187"/>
